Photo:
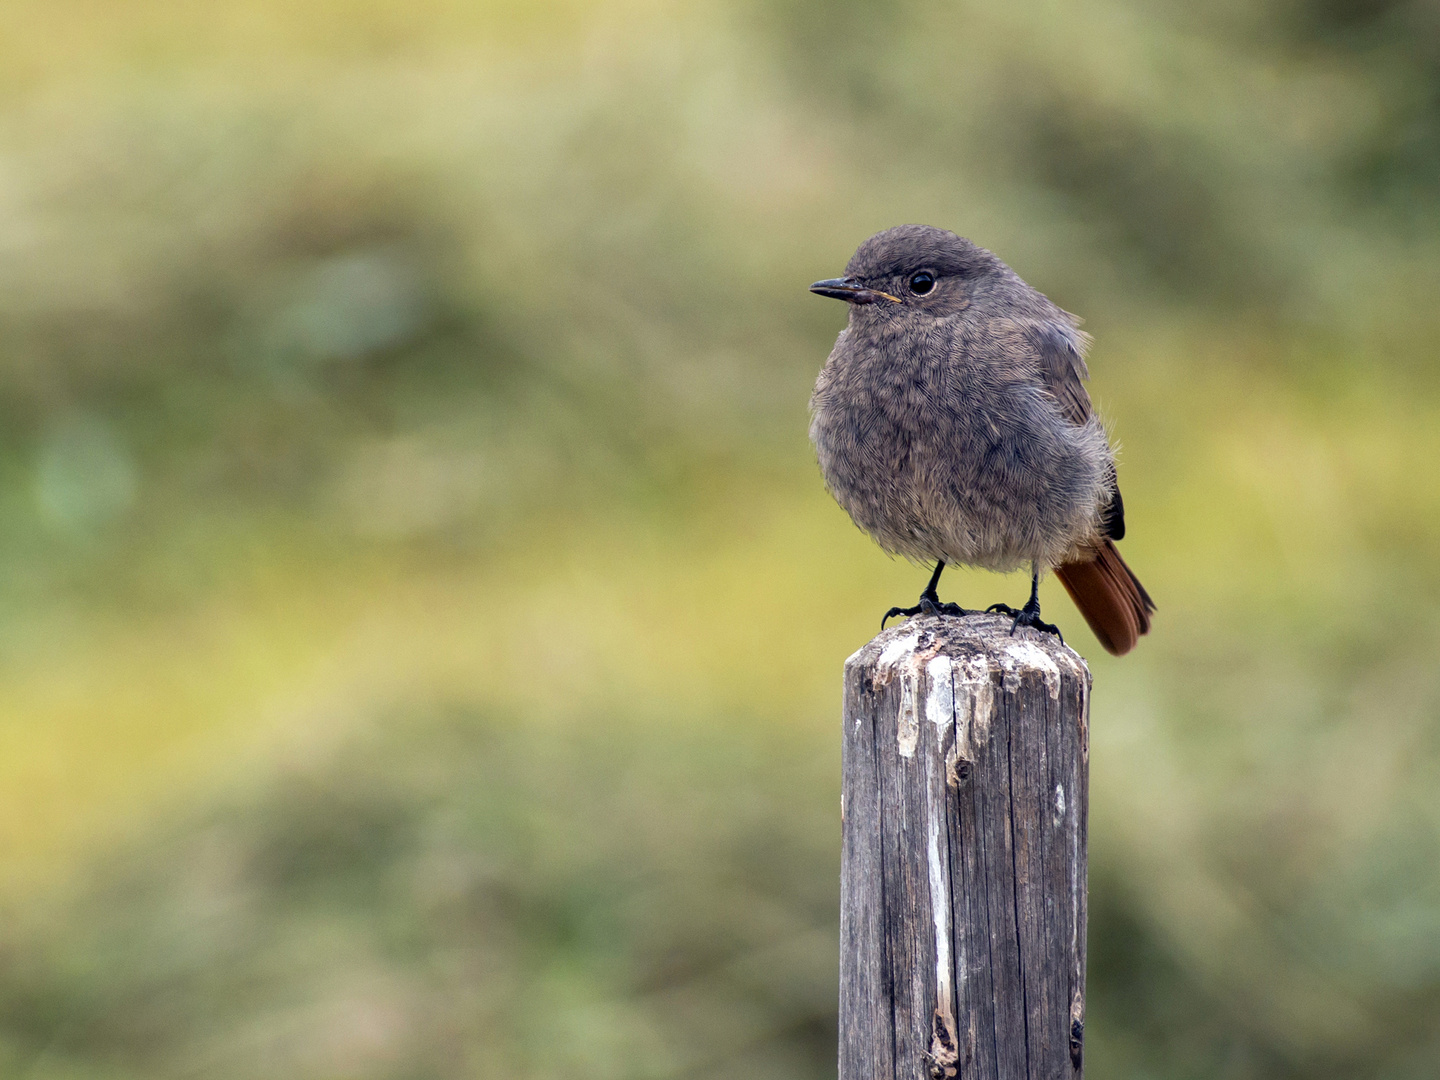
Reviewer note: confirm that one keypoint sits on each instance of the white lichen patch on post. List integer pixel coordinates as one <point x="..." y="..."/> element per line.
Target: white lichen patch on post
<point x="1022" y="656"/>
<point x="944" y="1053"/>
<point x="909" y="660"/>
<point x="901" y="647"/>
<point x="899" y="658"/>
<point x="940" y="695"/>
<point x="974" y="683"/>
<point x="1081" y="671"/>
<point x="907" y="723"/>
<point x="939" y="911"/>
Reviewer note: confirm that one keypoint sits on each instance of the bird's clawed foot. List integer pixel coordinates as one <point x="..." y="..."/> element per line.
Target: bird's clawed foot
<point x="929" y="605"/>
<point x="929" y="602"/>
<point x="1029" y="616"/>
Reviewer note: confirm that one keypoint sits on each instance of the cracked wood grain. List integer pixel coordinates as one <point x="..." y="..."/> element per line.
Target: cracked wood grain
<point x="963" y="879"/>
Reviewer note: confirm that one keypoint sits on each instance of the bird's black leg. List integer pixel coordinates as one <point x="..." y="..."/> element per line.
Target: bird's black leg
<point x="929" y="602"/>
<point x="1029" y="615"/>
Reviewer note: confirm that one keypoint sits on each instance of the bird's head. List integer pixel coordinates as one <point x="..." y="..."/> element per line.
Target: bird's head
<point x="913" y="268"/>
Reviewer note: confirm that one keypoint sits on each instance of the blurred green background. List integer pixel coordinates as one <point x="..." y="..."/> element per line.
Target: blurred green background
<point x="421" y="618"/>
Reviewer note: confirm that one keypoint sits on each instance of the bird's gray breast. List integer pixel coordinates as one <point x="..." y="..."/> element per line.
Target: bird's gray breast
<point x="940" y="441"/>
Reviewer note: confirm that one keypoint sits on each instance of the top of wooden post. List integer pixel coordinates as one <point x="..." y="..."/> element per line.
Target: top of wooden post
<point x="972" y="641"/>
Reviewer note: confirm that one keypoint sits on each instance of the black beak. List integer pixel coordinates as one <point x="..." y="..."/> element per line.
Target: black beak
<point x="850" y="290"/>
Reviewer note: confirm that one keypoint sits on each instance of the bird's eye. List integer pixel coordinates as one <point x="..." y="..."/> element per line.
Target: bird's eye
<point x="922" y="282"/>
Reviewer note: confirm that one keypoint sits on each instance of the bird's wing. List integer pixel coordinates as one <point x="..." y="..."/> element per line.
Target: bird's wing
<point x="1060" y="350"/>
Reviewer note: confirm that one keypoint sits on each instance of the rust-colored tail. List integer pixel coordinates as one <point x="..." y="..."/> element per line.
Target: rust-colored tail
<point x="1111" y="598"/>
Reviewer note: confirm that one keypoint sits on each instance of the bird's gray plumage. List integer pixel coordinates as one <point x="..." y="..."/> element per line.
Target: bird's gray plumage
<point x="955" y="425"/>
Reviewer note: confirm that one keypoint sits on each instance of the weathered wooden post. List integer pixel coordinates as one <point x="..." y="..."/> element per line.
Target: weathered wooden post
<point x="963" y="882"/>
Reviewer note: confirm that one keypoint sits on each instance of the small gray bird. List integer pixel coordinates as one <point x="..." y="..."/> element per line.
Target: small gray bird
<point x="952" y="424"/>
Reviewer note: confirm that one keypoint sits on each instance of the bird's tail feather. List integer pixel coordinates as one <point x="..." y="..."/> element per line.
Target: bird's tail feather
<point x="1110" y="596"/>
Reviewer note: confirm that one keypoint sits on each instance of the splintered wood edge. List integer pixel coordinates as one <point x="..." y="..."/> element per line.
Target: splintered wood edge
<point x="971" y="650"/>
<point x="973" y="640"/>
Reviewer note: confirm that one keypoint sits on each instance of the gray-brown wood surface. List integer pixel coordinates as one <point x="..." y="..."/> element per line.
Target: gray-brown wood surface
<point x="962" y="924"/>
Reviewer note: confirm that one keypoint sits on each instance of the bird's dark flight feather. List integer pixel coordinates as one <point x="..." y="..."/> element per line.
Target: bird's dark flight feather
<point x="1063" y="371"/>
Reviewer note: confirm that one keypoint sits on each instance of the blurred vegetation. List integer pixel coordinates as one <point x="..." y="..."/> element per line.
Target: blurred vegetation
<point x="421" y="615"/>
